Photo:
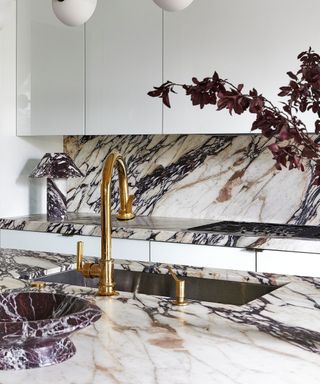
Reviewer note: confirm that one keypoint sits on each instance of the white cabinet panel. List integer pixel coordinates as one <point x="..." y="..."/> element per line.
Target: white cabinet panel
<point x="48" y="242"/>
<point x="203" y="256"/>
<point x="123" y="62"/>
<point x="241" y="41"/>
<point x="130" y="249"/>
<point x="289" y="263"/>
<point x="50" y="72"/>
<point x="7" y="68"/>
<point x="52" y="242"/>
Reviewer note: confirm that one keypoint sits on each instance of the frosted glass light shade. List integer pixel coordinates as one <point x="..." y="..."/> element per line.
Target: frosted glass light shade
<point x="173" y="5"/>
<point x="74" y="12"/>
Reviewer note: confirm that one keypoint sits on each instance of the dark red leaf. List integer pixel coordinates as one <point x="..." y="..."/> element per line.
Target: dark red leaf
<point x="292" y="75"/>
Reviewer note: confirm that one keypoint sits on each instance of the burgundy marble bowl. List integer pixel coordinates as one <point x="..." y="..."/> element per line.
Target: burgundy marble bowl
<point x="34" y="327"/>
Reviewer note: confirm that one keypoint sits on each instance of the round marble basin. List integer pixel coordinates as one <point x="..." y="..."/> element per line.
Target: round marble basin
<point x="34" y="327"/>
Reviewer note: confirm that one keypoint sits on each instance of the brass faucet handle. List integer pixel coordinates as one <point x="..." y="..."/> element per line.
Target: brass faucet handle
<point x="180" y="289"/>
<point x="80" y="256"/>
<point x="88" y="270"/>
<point x="173" y="274"/>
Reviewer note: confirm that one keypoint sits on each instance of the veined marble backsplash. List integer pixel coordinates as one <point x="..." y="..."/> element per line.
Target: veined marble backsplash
<point x="195" y="176"/>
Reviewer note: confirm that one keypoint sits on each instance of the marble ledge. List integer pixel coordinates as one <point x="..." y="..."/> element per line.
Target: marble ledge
<point x="272" y="339"/>
<point x="156" y="229"/>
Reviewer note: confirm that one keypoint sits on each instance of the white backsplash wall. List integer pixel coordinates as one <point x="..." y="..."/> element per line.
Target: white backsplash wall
<point x="195" y="176"/>
<point x="18" y="156"/>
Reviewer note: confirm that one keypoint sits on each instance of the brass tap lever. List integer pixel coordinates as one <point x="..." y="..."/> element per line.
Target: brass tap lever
<point x="180" y="289"/>
<point x="79" y="256"/>
<point x="87" y="269"/>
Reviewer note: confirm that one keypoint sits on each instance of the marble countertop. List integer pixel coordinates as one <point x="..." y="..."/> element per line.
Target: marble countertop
<point x="160" y="229"/>
<point x="144" y="339"/>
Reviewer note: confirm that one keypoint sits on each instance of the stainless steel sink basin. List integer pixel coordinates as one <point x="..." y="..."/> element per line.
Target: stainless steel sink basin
<point x="218" y="291"/>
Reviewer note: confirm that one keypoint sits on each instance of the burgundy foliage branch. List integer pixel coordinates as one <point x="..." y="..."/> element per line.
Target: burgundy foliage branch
<point x="291" y="146"/>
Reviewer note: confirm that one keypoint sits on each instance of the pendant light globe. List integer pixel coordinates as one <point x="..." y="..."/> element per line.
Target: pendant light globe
<point x="173" y="5"/>
<point x="74" y="12"/>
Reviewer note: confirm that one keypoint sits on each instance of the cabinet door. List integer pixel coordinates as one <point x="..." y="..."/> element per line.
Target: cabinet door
<point x="251" y="42"/>
<point x="123" y="62"/>
<point x="53" y="242"/>
<point x="7" y="69"/>
<point x="289" y="263"/>
<point x="50" y="72"/>
<point x="203" y="256"/>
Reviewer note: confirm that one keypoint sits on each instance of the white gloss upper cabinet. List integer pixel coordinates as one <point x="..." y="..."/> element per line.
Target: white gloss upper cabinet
<point x="123" y="62"/>
<point x="251" y="42"/>
<point x="50" y="72"/>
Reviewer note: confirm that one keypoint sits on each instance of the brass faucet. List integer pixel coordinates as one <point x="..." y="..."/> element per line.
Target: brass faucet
<point x="180" y="299"/>
<point x="105" y="269"/>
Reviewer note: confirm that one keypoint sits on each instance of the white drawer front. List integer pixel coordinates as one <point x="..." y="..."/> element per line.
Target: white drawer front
<point x="130" y="249"/>
<point x="203" y="256"/>
<point x="52" y="242"/>
<point x="289" y="263"/>
<point x="48" y="242"/>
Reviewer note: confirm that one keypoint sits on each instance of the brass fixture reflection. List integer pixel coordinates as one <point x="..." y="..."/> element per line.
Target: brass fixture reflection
<point x="105" y="269"/>
<point x="38" y="284"/>
<point x="180" y="289"/>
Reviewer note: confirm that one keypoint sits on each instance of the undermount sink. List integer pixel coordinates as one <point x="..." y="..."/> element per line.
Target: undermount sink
<point x="34" y="327"/>
<point x="218" y="291"/>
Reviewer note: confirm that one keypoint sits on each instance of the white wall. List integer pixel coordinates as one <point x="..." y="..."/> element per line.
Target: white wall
<point x="18" y="194"/>
<point x="253" y="42"/>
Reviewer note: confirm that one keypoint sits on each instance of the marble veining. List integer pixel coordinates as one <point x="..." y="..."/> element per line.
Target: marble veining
<point x="35" y="327"/>
<point x="19" y="265"/>
<point x="144" y="339"/>
<point x="261" y="229"/>
<point x="199" y="176"/>
<point x="56" y="166"/>
<point x="56" y="201"/>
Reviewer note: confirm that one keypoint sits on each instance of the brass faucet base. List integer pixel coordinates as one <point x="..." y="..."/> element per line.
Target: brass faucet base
<point x="179" y="303"/>
<point x="125" y="216"/>
<point x="107" y="294"/>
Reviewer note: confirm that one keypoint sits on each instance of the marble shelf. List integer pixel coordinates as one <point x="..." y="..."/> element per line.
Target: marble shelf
<point x="159" y="229"/>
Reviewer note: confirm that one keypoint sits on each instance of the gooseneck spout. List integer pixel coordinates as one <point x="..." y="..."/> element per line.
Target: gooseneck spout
<point x="106" y="285"/>
<point x="105" y="269"/>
